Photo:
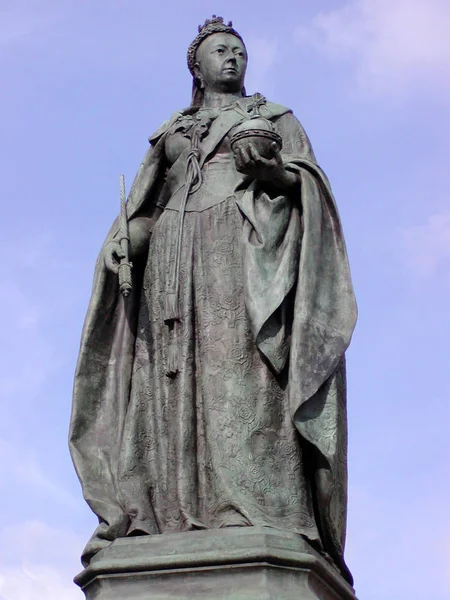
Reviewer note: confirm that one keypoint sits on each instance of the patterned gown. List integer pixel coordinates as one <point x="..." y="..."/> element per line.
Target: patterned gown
<point x="215" y="445"/>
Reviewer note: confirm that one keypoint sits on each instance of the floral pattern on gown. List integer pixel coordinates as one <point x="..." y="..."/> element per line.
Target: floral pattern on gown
<point x="225" y="442"/>
<point x="214" y="446"/>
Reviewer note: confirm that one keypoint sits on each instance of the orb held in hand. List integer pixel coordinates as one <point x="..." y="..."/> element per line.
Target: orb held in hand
<point x="260" y="133"/>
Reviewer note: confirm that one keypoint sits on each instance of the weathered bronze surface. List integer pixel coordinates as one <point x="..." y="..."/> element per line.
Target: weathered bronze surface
<point x="214" y="395"/>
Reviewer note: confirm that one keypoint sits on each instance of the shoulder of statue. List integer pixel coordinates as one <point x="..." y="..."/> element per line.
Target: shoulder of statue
<point x="259" y="103"/>
<point x="276" y="110"/>
<point x="164" y="127"/>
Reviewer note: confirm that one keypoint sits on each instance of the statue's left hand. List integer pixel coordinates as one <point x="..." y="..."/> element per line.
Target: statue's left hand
<point x="250" y="162"/>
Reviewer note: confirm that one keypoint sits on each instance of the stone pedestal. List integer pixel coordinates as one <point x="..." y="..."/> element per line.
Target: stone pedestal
<point x="249" y="563"/>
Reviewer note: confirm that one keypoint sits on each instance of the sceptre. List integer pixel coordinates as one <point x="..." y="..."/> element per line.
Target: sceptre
<point x="125" y="281"/>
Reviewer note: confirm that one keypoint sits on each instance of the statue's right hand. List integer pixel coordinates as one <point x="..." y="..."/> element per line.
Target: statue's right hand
<point x="112" y="253"/>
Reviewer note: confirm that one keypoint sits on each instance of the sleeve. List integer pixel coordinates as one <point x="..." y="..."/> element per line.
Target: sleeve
<point x="296" y="143"/>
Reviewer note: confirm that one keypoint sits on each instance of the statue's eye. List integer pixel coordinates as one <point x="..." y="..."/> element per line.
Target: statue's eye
<point x="220" y="50"/>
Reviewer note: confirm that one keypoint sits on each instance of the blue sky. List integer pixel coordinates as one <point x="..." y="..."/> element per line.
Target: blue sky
<point x="83" y="86"/>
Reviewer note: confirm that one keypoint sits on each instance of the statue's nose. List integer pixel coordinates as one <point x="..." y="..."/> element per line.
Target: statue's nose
<point x="231" y="58"/>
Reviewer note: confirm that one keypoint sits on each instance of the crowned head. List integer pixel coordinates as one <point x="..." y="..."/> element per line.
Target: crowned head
<point x="217" y="59"/>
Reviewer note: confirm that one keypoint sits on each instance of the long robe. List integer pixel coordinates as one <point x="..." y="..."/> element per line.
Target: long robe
<point x="300" y="312"/>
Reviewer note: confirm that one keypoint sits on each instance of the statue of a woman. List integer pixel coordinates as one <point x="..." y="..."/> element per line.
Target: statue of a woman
<point x="214" y="396"/>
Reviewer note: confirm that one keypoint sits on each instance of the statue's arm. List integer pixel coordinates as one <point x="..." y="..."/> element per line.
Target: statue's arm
<point x="140" y="229"/>
<point x="296" y="144"/>
<point x="281" y="171"/>
<point x="296" y="151"/>
<point x="144" y="207"/>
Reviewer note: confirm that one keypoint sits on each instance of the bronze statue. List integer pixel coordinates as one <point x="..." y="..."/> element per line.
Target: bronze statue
<point x="214" y="395"/>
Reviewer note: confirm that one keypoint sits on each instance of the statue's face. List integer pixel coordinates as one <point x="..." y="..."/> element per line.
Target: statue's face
<point x="221" y="62"/>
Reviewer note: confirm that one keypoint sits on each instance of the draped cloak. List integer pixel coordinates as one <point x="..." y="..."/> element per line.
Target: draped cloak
<point x="321" y="321"/>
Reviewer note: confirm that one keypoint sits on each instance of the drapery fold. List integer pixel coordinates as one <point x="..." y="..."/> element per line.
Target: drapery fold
<point x="300" y="302"/>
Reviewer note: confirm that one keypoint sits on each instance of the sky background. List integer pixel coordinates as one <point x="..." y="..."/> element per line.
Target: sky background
<point x="83" y="85"/>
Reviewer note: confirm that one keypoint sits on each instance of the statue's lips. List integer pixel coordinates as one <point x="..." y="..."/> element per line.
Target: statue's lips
<point x="230" y="70"/>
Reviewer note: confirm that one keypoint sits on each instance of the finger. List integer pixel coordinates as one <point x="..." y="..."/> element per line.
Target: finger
<point x="238" y="159"/>
<point x="259" y="160"/>
<point x="116" y="249"/>
<point x="111" y="264"/>
<point x="244" y="166"/>
<point x="254" y="154"/>
<point x="277" y="153"/>
<point x="248" y="161"/>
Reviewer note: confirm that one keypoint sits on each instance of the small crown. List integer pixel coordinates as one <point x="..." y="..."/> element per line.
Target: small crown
<point x="214" y="25"/>
<point x="215" y="19"/>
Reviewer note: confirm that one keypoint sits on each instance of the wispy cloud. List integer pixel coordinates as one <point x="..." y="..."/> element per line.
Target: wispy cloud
<point x="262" y="58"/>
<point x="28" y="539"/>
<point x="31" y="300"/>
<point x="392" y="46"/>
<point x="380" y="538"/>
<point x="38" y="562"/>
<point x="36" y="582"/>
<point x="22" y="318"/>
<point x="20" y="466"/>
<point x="22" y="334"/>
<point x="22" y="19"/>
<point x="425" y="248"/>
